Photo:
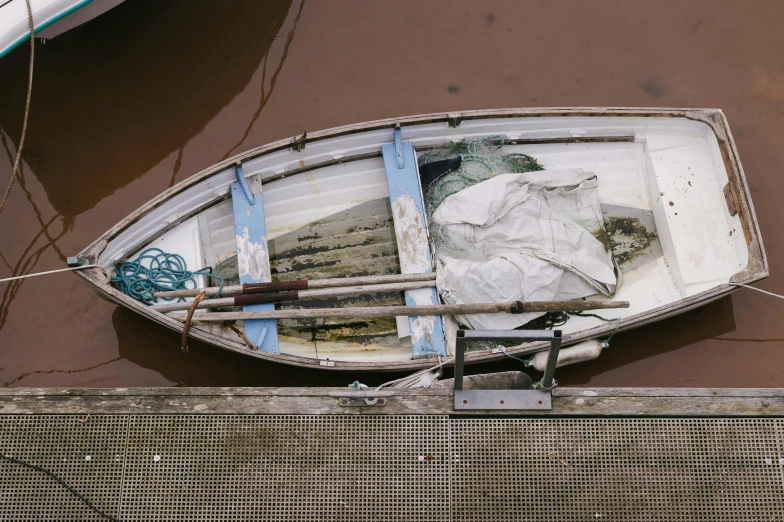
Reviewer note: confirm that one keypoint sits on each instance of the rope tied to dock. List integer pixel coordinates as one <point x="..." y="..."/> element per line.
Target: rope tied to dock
<point x="18" y="159"/>
<point x="164" y="272"/>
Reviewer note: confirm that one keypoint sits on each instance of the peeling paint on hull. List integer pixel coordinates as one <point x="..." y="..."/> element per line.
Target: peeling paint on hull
<point x="252" y="258"/>
<point x="356" y="242"/>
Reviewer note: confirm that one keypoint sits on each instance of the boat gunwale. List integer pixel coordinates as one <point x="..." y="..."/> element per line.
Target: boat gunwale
<point x="756" y="268"/>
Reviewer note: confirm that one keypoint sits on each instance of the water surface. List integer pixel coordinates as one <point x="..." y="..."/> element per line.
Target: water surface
<point x="153" y="92"/>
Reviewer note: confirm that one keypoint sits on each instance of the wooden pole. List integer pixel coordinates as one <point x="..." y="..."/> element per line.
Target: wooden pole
<point x="393" y="311"/>
<point x="302" y="284"/>
<point x="294" y="296"/>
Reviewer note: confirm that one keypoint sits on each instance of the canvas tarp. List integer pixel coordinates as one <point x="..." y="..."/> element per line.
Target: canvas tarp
<point x="534" y="236"/>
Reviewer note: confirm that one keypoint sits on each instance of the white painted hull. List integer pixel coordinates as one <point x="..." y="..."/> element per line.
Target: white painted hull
<point x="50" y="18"/>
<point x="675" y="171"/>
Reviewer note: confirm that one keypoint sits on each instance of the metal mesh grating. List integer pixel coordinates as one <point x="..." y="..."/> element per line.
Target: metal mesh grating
<point x="617" y="469"/>
<point x="88" y="456"/>
<point x="287" y="468"/>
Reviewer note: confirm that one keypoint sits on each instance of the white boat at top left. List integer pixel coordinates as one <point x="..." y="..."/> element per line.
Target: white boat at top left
<point x="50" y="18"/>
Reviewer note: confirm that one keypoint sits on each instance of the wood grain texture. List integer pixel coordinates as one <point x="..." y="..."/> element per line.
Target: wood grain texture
<point x="408" y="211"/>
<point x="669" y="402"/>
<point x="303" y="294"/>
<point x="337" y="282"/>
<point x="253" y="261"/>
<point x="418" y="309"/>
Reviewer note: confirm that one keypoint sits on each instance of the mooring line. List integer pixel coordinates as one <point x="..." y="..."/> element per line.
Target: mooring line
<point x="27" y="107"/>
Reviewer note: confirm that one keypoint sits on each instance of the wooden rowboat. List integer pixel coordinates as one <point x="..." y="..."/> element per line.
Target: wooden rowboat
<point x="676" y="208"/>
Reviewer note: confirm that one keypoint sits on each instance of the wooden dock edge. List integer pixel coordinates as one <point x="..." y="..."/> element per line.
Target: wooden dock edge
<point x="600" y="402"/>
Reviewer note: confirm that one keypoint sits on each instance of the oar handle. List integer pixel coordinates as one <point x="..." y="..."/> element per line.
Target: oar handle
<point x="251" y="299"/>
<point x="279" y="286"/>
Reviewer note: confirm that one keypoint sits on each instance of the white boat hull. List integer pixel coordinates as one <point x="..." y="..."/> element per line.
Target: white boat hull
<point x="51" y="18"/>
<point x="670" y="184"/>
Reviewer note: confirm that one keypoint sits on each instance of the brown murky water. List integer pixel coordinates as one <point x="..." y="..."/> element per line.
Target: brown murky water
<point x="153" y="92"/>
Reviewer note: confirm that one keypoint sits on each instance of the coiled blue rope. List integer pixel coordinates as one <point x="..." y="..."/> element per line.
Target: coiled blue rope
<point x="162" y="272"/>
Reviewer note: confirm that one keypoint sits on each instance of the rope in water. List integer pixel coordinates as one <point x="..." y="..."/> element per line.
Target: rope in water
<point x="758" y="290"/>
<point x="56" y="271"/>
<point x="62" y="483"/>
<point x="163" y="272"/>
<point x="18" y="159"/>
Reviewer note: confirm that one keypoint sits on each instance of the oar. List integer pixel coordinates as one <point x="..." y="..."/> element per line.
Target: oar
<point x="277" y="297"/>
<point x="300" y="284"/>
<point x="394" y="311"/>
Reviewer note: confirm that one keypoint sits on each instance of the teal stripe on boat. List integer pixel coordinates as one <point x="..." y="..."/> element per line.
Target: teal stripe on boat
<point x="44" y="25"/>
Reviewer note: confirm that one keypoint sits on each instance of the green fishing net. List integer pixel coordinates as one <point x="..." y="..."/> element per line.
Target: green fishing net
<point x="482" y="159"/>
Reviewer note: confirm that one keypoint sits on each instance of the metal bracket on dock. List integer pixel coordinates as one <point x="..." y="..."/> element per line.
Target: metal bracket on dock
<point x="535" y="399"/>
<point x="362" y="403"/>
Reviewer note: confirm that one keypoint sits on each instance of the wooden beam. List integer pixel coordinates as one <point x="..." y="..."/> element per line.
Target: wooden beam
<point x="253" y="263"/>
<point x="413" y="245"/>
<point x="309" y="284"/>
<point x="412" y="311"/>
<point x="594" y="402"/>
<point x="301" y="294"/>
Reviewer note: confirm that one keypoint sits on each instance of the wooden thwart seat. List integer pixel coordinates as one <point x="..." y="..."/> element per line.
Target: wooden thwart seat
<point x="405" y="194"/>
<point x="253" y="264"/>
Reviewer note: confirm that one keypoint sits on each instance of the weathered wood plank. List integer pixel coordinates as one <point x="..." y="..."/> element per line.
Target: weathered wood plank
<point x="421" y="309"/>
<point x="323" y="284"/>
<point x="437" y="401"/>
<point x="319" y="293"/>
<point x="253" y="258"/>
<point x="405" y="193"/>
<point x="561" y="391"/>
<point x="668" y="392"/>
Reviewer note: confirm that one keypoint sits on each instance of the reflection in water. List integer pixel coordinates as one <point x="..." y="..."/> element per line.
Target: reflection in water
<point x="133" y="88"/>
<point x="157" y="348"/>
<point x="29" y="257"/>
<point x="266" y="92"/>
<point x="104" y="95"/>
<point x="68" y="372"/>
<point x="642" y="343"/>
<point x="152" y="346"/>
<point x="25" y="265"/>
<point x="704" y="323"/>
<point x="21" y="182"/>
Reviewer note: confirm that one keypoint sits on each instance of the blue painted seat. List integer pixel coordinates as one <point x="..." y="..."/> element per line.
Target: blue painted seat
<point x="405" y="193"/>
<point x="250" y="229"/>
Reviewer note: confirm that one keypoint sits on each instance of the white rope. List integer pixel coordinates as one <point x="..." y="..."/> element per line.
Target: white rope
<point x="359" y="386"/>
<point x="15" y="169"/>
<point x="758" y="290"/>
<point x="416" y="374"/>
<point x="57" y="271"/>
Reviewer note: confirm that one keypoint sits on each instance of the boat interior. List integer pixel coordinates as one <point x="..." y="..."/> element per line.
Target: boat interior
<point x="662" y="182"/>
